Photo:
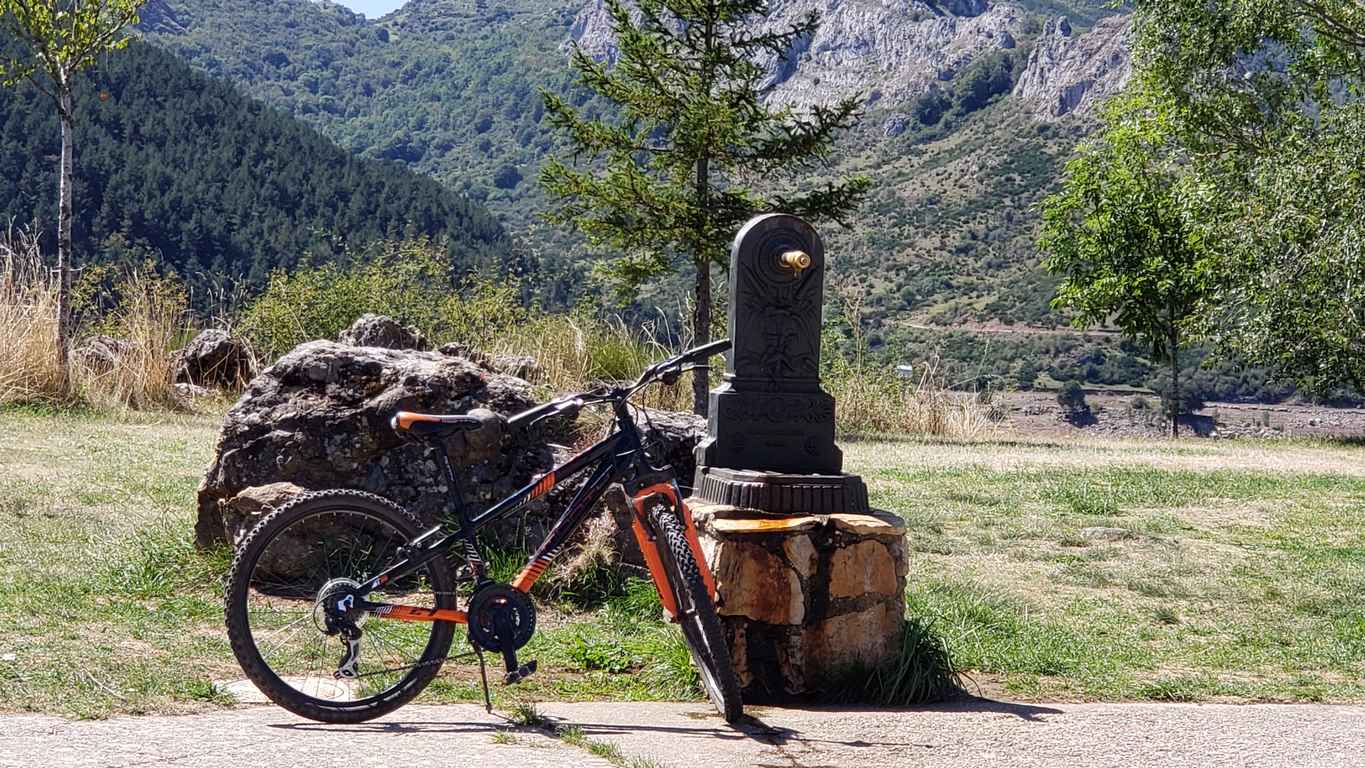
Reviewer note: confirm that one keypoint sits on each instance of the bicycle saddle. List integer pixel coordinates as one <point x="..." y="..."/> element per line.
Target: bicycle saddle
<point x="434" y="425"/>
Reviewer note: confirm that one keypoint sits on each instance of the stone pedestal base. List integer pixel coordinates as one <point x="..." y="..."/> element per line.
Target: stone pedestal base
<point x="804" y="598"/>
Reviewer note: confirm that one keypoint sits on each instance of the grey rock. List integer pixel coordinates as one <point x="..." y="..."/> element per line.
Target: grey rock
<point x="1072" y="74"/>
<point x="190" y="392"/>
<point x="370" y="330"/>
<point x="896" y="124"/>
<point x="521" y="366"/>
<point x="249" y="505"/>
<point x="101" y="353"/>
<point x="215" y="359"/>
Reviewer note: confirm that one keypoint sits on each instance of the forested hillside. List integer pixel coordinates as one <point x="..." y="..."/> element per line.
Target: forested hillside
<point x="183" y="168"/>
<point x="451" y="87"/>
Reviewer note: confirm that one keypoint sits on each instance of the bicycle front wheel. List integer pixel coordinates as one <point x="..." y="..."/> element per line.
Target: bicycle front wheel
<point x="314" y="549"/>
<point x="697" y="615"/>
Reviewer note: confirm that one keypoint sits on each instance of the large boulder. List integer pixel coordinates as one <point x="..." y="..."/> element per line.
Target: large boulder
<point x="215" y="358"/>
<point x="319" y="418"/>
<point x="371" y="330"/>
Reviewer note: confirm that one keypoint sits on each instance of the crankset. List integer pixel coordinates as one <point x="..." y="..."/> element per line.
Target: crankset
<point x="502" y="620"/>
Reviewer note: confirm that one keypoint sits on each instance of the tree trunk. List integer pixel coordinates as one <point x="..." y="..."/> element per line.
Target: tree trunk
<point x="701" y="311"/>
<point x="64" y="215"/>
<point x="1174" y="396"/>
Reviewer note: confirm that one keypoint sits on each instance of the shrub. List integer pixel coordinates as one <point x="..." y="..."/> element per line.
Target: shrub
<point x="152" y="318"/>
<point x="1072" y="398"/>
<point x="411" y="282"/>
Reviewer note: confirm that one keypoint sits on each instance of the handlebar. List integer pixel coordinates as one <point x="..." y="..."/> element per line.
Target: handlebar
<point x="572" y="403"/>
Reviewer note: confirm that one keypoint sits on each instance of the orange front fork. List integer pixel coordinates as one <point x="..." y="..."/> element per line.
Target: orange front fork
<point x="649" y="546"/>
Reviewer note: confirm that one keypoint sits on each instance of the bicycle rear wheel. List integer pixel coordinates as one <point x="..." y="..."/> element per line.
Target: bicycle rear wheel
<point x="697" y="615"/>
<point x="309" y="551"/>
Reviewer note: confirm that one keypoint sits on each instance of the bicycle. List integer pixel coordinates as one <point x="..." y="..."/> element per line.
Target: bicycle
<point x="351" y="574"/>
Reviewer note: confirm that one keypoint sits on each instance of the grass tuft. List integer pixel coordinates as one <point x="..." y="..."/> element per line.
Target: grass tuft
<point x="922" y="672"/>
<point x="525" y="715"/>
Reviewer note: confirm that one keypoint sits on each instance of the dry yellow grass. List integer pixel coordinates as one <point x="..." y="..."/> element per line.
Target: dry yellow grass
<point x="151" y="319"/>
<point x="29" y="368"/>
<point x="1193" y="454"/>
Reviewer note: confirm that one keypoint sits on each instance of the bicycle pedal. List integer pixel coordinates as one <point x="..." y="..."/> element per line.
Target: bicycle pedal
<point x="521" y="673"/>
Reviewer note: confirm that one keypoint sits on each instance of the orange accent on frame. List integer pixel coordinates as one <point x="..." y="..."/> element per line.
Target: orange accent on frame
<point x="528" y="576"/>
<point x="542" y="486"/>
<point x="413" y="613"/>
<point x="406" y="419"/>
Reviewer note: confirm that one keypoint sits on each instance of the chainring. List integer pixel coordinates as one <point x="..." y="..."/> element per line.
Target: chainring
<point x="495" y="601"/>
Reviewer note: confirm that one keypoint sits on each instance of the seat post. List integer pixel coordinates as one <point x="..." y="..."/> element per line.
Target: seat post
<point x="452" y="482"/>
<point x="471" y="550"/>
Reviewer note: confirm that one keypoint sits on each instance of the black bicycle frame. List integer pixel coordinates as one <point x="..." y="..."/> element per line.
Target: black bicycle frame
<point x="616" y="457"/>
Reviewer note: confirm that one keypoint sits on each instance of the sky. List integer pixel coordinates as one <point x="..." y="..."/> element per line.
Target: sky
<point x="372" y="8"/>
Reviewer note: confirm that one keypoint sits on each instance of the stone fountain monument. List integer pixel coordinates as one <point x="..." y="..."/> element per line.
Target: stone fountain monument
<point x="811" y="581"/>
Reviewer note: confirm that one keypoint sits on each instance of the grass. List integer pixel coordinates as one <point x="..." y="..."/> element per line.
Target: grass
<point x="109" y="609"/>
<point x="1203" y="582"/>
<point x="1114" y="570"/>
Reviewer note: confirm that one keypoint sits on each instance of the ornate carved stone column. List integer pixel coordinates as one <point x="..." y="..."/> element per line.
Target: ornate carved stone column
<point x="770" y="445"/>
<point x="811" y="581"/>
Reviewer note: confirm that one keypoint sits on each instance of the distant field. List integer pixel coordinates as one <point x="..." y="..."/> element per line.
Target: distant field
<point x="1073" y="569"/>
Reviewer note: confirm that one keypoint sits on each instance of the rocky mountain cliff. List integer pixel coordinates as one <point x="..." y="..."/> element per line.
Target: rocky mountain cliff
<point x="1070" y="72"/>
<point x="892" y="51"/>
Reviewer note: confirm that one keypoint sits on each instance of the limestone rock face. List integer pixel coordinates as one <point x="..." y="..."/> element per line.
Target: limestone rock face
<point x="319" y="418"/>
<point x="370" y="330"/>
<point x="887" y="51"/>
<point x="1070" y="73"/>
<point x="216" y="359"/>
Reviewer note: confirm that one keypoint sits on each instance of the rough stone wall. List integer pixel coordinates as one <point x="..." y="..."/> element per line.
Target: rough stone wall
<point x="805" y="598"/>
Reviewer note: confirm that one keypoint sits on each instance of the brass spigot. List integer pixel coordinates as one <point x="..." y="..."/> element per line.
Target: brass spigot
<point x="796" y="261"/>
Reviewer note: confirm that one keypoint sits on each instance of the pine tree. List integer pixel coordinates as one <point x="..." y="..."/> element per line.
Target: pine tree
<point x="696" y="151"/>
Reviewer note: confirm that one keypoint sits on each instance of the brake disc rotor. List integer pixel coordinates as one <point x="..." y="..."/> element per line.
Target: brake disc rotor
<point x="500" y="601"/>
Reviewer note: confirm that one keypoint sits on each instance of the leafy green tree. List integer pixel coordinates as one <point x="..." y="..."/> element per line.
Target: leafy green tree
<point x="1122" y="235"/>
<point x="60" y="38"/>
<point x="696" y="151"/>
<point x="1268" y="100"/>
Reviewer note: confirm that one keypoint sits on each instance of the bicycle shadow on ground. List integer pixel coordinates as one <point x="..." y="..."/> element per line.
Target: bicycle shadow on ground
<point x="752" y="727"/>
<point x="408" y="727"/>
<point x="755" y="727"/>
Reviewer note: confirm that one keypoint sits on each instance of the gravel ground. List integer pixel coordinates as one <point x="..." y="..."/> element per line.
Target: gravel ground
<point x="971" y="734"/>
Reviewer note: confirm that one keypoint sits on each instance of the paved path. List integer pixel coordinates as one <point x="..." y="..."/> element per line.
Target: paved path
<point x="979" y="735"/>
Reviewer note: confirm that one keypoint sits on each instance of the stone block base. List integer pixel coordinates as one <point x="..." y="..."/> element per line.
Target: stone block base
<point x="803" y="598"/>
